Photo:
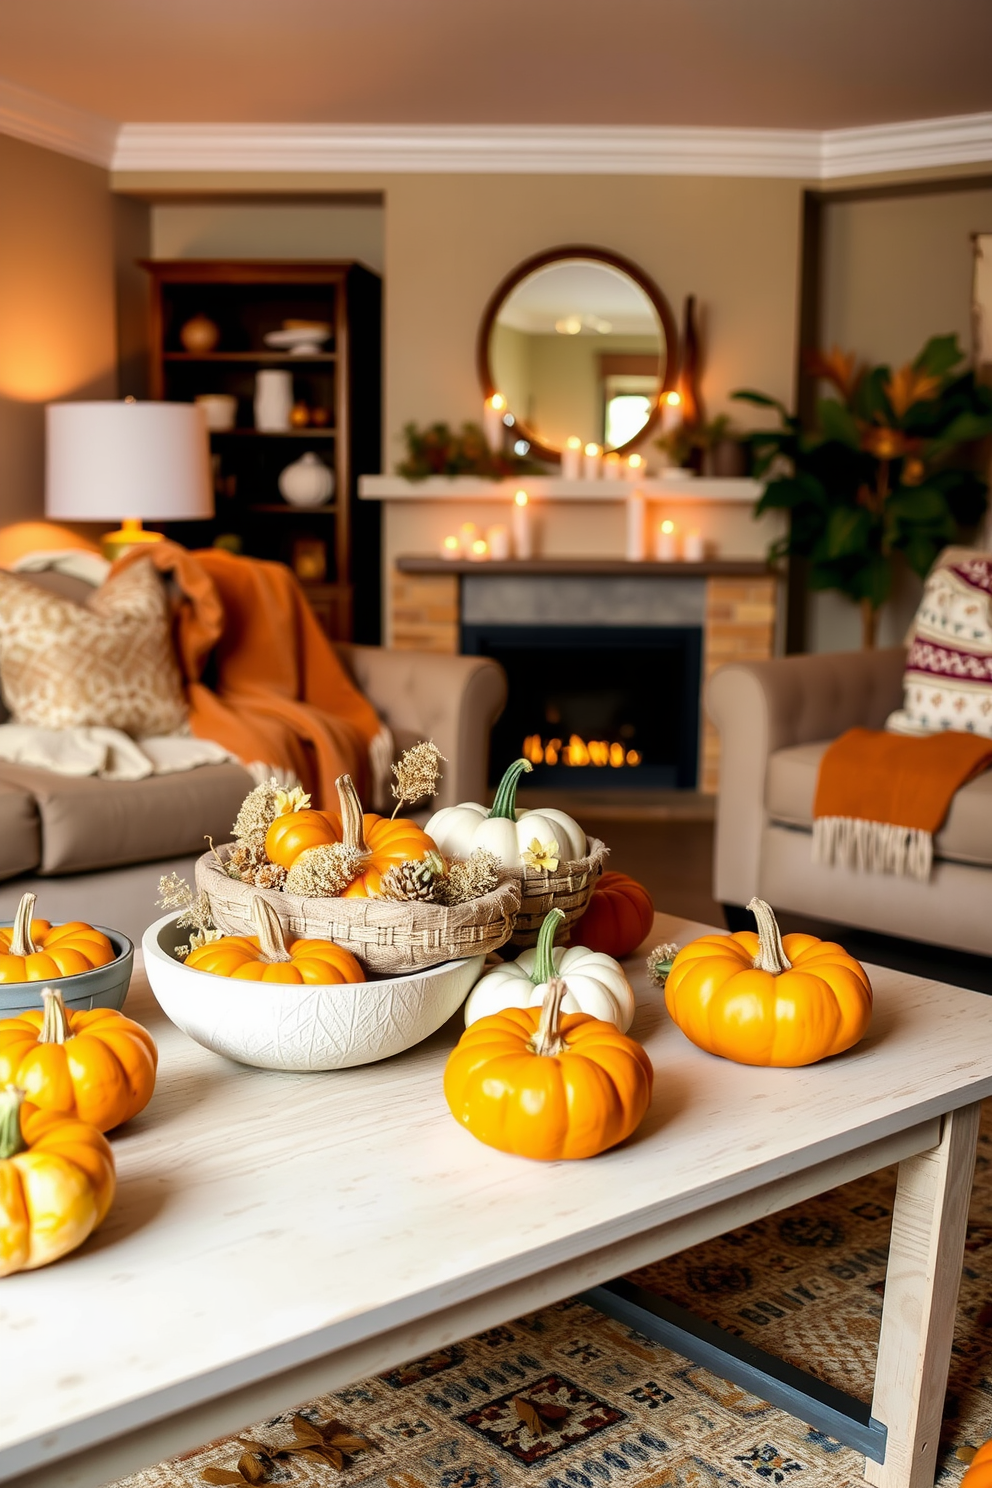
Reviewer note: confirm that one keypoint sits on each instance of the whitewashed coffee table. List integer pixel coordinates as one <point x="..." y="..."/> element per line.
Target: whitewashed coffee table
<point x="276" y="1236"/>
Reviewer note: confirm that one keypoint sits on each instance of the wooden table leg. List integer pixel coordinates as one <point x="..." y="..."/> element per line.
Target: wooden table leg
<point x="922" y="1278"/>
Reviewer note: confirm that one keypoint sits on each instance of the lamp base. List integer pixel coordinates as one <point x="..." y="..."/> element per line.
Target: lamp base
<point x="131" y="535"/>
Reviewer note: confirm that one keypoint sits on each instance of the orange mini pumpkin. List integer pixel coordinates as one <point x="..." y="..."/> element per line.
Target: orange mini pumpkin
<point x="294" y="832"/>
<point x="548" y="1085"/>
<point x="618" y="917"/>
<point x="97" y="1065"/>
<point x="768" y="999"/>
<point x="269" y="956"/>
<point x="979" y="1474"/>
<point x="38" y="951"/>
<point x="383" y="842"/>
<point x="56" y="1183"/>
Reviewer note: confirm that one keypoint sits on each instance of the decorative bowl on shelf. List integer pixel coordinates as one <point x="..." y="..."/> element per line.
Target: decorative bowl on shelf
<point x="220" y="410"/>
<point x="279" y="1025"/>
<point x="307" y="482"/>
<point x="299" y="340"/>
<point x="103" y="987"/>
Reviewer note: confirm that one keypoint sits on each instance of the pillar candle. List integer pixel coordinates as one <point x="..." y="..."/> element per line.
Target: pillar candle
<point x="592" y="462"/>
<point x="498" y="539"/>
<point x="694" y="550"/>
<point x="666" y="542"/>
<point x="636" y="527"/>
<point x="451" y="547"/>
<point x="479" y="551"/>
<point x="492" y="421"/>
<point x="522" y="528"/>
<point x="467" y="533"/>
<point x="611" y="466"/>
<point x="633" y="468"/>
<point x="571" y="459"/>
<point x="671" y="412"/>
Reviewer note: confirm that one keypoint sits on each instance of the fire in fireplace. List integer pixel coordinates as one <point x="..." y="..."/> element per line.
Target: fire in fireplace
<point x="592" y="706"/>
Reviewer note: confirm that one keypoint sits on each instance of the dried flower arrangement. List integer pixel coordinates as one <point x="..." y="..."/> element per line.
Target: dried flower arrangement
<point x="175" y="893"/>
<point x="327" y="869"/>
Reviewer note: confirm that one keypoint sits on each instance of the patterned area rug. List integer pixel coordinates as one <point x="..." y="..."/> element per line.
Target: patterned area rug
<point x="566" y="1398"/>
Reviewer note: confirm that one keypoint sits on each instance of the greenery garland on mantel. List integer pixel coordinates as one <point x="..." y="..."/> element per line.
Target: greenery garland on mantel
<point x="888" y="467"/>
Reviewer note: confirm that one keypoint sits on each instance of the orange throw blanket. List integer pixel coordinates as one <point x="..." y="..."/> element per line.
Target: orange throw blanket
<point x="881" y="797"/>
<point x="277" y="693"/>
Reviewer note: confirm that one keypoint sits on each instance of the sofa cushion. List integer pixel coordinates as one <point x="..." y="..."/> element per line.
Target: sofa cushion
<point x="89" y="823"/>
<point x="965" y="837"/>
<point x="20" y="831"/>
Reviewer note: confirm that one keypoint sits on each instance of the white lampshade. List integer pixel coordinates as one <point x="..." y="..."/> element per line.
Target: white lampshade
<point x="110" y="461"/>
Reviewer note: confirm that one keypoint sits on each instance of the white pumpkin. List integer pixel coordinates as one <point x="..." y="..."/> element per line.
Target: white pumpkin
<point x="596" y="983"/>
<point x="505" y="831"/>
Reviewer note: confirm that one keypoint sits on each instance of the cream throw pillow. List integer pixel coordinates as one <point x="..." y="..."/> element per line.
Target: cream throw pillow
<point x="949" y="666"/>
<point x="106" y="664"/>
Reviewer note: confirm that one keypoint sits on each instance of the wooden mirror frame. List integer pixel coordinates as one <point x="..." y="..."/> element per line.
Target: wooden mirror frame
<point x="613" y="261"/>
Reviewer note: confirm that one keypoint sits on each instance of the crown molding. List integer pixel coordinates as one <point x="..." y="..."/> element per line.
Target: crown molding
<point x="796" y="154"/>
<point x="45" y="121"/>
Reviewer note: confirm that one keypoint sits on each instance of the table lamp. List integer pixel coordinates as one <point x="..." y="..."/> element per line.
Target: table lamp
<point x="128" y="462"/>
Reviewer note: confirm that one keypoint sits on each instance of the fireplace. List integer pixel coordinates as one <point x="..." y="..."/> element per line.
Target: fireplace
<point x="596" y="706"/>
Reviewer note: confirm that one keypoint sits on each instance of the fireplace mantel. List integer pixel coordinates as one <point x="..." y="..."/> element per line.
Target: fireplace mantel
<point x="725" y="568"/>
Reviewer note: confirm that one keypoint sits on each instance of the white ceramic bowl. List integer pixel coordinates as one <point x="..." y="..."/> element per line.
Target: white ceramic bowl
<point x="275" y="1025"/>
<point x="299" y="340"/>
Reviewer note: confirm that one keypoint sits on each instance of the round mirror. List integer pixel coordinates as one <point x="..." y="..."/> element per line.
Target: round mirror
<point x="582" y="345"/>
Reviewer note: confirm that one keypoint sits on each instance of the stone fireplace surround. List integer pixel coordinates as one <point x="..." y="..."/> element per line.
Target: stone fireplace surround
<point x="735" y="603"/>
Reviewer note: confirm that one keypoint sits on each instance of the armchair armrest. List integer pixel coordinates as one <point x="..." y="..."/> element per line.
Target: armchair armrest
<point x="454" y="700"/>
<point x="762" y="706"/>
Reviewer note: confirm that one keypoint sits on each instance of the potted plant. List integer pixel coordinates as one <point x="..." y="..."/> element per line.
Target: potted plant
<point x="887" y="468"/>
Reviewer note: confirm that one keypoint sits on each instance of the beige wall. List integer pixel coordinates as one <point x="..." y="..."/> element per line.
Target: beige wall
<point x="260" y="230"/>
<point x="57" y="337"/>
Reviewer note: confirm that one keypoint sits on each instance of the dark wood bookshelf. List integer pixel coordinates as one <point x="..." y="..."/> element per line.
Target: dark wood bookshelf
<point x="246" y="299"/>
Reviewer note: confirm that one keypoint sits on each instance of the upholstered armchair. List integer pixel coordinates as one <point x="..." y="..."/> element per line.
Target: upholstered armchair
<point x="775" y="719"/>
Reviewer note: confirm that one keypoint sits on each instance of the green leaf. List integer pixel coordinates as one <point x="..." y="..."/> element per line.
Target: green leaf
<point x="918" y="504"/>
<point x="940" y="354"/>
<point x="961" y="430"/>
<point x="869" y="401"/>
<point x="837" y="422"/>
<point x="762" y="400"/>
<point x="790" y="491"/>
<point x="847" y="531"/>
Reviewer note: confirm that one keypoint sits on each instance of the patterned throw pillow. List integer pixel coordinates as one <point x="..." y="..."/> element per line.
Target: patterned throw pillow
<point x="949" y="667"/>
<point x="108" y="663"/>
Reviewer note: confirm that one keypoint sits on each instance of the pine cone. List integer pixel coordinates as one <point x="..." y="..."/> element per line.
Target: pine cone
<point x="411" y="881"/>
<point x="246" y="859"/>
<point x="269" y="876"/>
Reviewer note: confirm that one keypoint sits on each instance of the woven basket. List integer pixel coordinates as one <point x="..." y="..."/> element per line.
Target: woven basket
<point x="387" y="937"/>
<point x="568" y="888"/>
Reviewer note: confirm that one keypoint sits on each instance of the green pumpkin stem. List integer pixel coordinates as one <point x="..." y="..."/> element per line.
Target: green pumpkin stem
<point x="352" y="816"/>
<point x="268" y="928"/>
<point x="771" y="952"/>
<point x="504" y="805"/>
<point x="544" y="958"/>
<point x="547" y="1041"/>
<point x="55" y="1022"/>
<point x="11" y="1136"/>
<point x="21" y="943"/>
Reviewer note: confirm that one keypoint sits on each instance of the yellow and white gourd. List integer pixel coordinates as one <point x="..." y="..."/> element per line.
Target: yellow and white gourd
<point x="596" y="983"/>
<point x="505" y="831"/>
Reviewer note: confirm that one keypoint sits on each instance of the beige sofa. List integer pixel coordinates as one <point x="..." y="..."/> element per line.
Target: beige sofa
<point x="775" y="718"/>
<point x="95" y="849"/>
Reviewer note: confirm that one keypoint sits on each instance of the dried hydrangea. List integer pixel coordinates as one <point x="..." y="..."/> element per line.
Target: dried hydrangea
<point x="479" y="874"/>
<point x="246" y="858"/>
<point x="418" y="773"/>
<point x="322" y="872"/>
<point x="258" y="811"/>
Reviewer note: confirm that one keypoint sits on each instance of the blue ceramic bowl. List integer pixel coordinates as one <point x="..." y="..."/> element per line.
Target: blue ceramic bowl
<point x="103" y="987"/>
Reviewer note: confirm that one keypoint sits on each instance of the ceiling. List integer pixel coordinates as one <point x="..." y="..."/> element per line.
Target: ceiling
<point x="799" y="64"/>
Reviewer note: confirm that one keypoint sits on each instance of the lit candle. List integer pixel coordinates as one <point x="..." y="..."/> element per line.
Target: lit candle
<point x="571" y="459"/>
<point x="451" y="547"/>
<point x="694" y="550"/>
<point x="467" y="533"/>
<point x="611" y="466"/>
<point x="666" y="542"/>
<point x="634" y="467"/>
<point x="523" y="534"/>
<point x="479" y="551"/>
<point x="492" y="421"/>
<point x="671" y="411"/>
<point x="498" y="539"/>
<point x="636" y="524"/>
<point x="592" y="462"/>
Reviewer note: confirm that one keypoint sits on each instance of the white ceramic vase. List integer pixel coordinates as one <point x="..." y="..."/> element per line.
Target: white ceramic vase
<point x="273" y="400"/>
<point x="307" y="482"/>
